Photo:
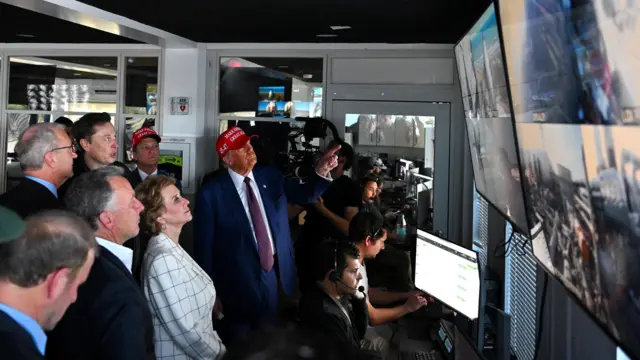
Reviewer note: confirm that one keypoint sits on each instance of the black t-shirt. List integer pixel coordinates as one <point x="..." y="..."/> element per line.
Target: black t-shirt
<point x="342" y="193"/>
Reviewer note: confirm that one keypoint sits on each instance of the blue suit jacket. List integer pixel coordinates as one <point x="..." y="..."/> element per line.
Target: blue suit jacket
<point x="225" y="245"/>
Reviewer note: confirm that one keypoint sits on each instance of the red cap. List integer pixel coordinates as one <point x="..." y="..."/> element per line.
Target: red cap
<point x="232" y="139"/>
<point x="142" y="133"/>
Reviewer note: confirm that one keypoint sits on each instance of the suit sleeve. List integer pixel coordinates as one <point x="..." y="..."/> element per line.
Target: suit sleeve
<point x="175" y="306"/>
<point x="306" y="193"/>
<point x="203" y="228"/>
<point x="119" y="327"/>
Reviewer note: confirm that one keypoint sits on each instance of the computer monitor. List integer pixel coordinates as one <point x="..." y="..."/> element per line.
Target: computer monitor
<point x="463" y="348"/>
<point x="449" y="273"/>
<point x="488" y="119"/>
<point x="574" y="79"/>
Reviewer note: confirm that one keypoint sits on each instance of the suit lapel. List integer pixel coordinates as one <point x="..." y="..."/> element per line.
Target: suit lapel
<point x="110" y="257"/>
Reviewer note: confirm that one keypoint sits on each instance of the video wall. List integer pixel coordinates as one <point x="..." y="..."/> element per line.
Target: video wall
<point x="574" y="74"/>
<point x="488" y="119"/>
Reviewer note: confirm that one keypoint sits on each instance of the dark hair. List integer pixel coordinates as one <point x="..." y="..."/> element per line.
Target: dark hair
<point x="84" y="128"/>
<point x="52" y="240"/>
<point x="64" y="121"/>
<point x="333" y="255"/>
<point x="345" y="151"/>
<point x="90" y="193"/>
<point x="365" y="224"/>
<point x="367" y="179"/>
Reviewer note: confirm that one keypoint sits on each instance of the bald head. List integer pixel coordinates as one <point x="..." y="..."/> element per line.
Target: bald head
<point x="35" y="142"/>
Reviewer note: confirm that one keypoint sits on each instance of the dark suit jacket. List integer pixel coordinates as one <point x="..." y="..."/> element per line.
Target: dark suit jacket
<point x="109" y="320"/>
<point x="225" y="245"/>
<point x="28" y="198"/>
<point x="136" y="179"/>
<point x="15" y="342"/>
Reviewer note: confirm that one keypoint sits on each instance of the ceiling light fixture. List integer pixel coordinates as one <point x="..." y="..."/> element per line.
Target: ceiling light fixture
<point x="307" y="76"/>
<point x="25" y="35"/>
<point x="326" y="35"/>
<point x="340" y="27"/>
<point x="77" y="74"/>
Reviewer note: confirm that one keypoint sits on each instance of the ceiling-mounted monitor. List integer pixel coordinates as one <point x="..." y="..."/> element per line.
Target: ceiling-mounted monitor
<point x="574" y="77"/>
<point x="488" y="120"/>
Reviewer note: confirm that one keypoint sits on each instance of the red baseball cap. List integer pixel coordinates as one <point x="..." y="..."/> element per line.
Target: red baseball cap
<point x="232" y="139"/>
<point x="142" y="133"/>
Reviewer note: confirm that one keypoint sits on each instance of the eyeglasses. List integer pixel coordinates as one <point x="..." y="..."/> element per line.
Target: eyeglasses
<point x="72" y="147"/>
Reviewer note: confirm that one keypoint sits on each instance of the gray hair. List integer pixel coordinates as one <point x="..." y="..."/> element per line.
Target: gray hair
<point x="53" y="240"/>
<point x="90" y="194"/>
<point x="34" y="143"/>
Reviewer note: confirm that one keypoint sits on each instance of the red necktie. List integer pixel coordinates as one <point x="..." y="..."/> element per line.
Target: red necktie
<point x="260" y="228"/>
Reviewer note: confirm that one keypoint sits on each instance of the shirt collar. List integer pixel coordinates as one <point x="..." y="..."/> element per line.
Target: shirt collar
<point x="143" y="175"/>
<point x="124" y="254"/>
<point x="238" y="179"/>
<point x="29" y="324"/>
<point x="46" y="184"/>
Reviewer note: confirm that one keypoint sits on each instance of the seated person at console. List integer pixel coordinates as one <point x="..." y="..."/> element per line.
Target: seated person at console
<point x="330" y="307"/>
<point x="369" y="189"/>
<point x="368" y="235"/>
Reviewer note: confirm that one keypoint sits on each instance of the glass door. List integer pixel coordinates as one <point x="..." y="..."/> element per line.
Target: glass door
<point x="399" y="133"/>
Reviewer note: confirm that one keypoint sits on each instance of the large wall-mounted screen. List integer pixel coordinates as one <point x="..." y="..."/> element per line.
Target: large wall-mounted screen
<point x="574" y="73"/>
<point x="488" y="117"/>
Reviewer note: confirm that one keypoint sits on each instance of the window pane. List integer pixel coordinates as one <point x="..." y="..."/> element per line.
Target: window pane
<point x="271" y="87"/>
<point x="141" y="83"/>
<point x="67" y="84"/>
<point x="131" y="125"/>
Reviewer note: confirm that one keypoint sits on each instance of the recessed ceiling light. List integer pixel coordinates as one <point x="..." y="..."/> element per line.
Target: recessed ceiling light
<point x="340" y="27"/>
<point x="307" y="76"/>
<point x="77" y="74"/>
<point x="326" y="35"/>
<point x="107" y="65"/>
<point x="25" y="35"/>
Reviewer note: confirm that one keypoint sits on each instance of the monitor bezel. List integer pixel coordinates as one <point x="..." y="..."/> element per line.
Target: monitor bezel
<point x="415" y="268"/>
<point x="526" y="232"/>
<point x="540" y="264"/>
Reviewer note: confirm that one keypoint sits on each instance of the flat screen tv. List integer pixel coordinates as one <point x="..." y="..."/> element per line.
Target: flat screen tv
<point x="574" y="76"/>
<point x="488" y="120"/>
<point x="272" y="103"/>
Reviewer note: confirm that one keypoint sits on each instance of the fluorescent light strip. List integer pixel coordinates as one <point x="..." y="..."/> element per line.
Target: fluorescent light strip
<point x="63" y="65"/>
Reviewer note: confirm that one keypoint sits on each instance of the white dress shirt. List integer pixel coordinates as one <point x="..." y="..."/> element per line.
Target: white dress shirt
<point x="181" y="297"/>
<point x="238" y="181"/>
<point x="123" y="253"/>
<point x="144" y="175"/>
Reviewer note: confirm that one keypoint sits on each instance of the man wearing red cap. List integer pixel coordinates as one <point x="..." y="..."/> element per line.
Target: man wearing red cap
<point x="242" y="233"/>
<point x="145" y="146"/>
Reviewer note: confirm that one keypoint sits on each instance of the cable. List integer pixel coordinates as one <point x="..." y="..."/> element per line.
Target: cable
<point x="506" y="245"/>
<point x="541" y="316"/>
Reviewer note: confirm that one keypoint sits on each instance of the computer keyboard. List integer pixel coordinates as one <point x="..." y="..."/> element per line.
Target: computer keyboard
<point x="419" y="355"/>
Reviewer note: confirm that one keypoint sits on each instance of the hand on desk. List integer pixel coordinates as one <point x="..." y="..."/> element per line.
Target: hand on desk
<point x="415" y="302"/>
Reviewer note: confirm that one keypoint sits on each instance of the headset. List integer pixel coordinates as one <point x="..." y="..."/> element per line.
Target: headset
<point x="335" y="277"/>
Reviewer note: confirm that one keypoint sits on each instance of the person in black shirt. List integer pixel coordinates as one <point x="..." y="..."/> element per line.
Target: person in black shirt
<point x="369" y="191"/>
<point x="331" y="307"/>
<point x="329" y="217"/>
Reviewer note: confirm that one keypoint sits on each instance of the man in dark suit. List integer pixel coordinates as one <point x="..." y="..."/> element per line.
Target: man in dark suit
<point x="145" y="146"/>
<point x="42" y="264"/>
<point x="46" y="156"/>
<point x="110" y="319"/>
<point x="242" y="237"/>
<point x="95" y="139"/>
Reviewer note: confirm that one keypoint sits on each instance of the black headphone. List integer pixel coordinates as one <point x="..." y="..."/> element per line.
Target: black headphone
<point x="335" y="277"/>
